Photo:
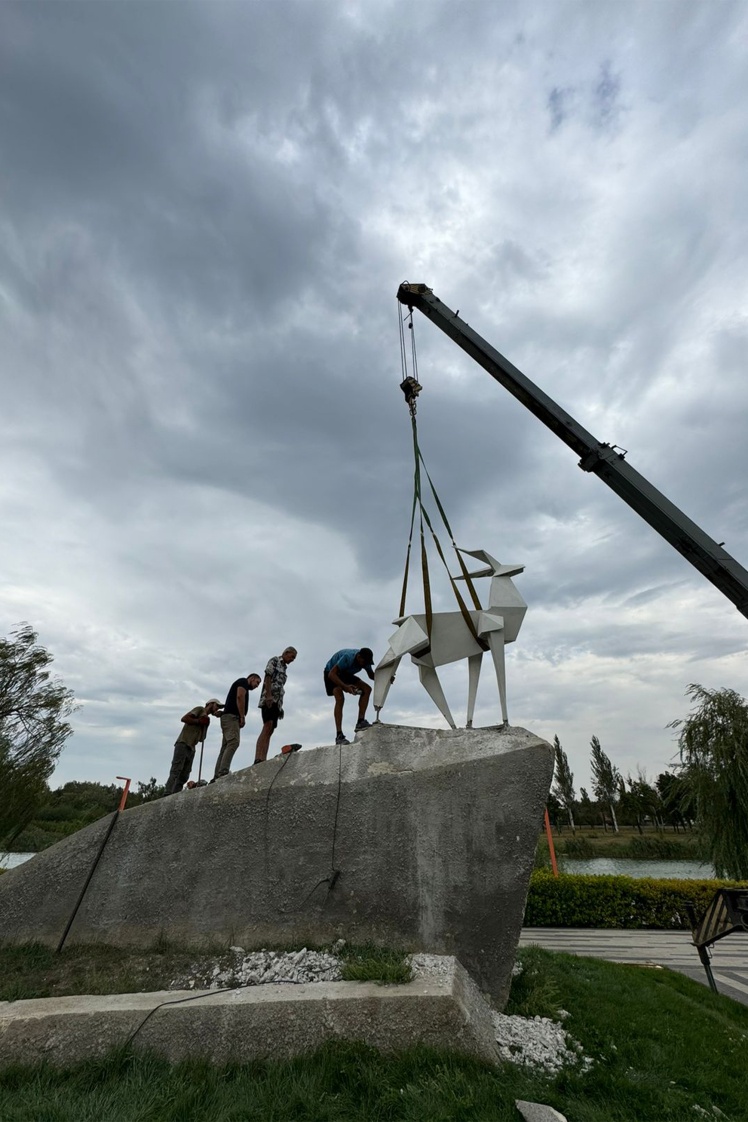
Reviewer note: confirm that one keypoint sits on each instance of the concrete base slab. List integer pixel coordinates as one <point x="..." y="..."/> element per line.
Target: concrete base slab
<point x="258" y="1022"/>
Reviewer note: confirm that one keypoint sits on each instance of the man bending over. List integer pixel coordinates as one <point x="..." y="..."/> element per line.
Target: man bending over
<point x="340" y="678"/>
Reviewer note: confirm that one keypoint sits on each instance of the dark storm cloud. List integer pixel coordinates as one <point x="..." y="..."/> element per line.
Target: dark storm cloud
<point x="207" y="210"/>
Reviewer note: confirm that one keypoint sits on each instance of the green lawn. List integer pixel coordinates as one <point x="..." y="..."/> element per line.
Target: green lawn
<point x="661" y="1044"/>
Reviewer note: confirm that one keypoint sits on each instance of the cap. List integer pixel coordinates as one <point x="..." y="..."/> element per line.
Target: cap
<point x="213" y="701"/>
<point x="367" y="655"/>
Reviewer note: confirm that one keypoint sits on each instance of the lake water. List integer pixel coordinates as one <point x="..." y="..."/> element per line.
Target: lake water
<point x="618" y="866"/>
<point x="596" y="866"/>
<point x="10" y="860"/>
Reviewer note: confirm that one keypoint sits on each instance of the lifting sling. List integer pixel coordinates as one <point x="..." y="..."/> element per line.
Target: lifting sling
<point x="411" y="388"/>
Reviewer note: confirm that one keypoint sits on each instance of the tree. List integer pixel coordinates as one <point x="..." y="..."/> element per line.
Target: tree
<point x="149" y="791"/>
<point x="674" y="800"/>
<point x="640" y="800"/>
<point x="563" y="780"/>
<point x="606" y="779"/>
<point x="34" y="708"/>
<point x="713" y="744"/>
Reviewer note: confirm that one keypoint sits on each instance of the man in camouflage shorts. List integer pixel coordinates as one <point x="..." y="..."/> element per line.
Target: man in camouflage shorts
<point x="271" y="699"/>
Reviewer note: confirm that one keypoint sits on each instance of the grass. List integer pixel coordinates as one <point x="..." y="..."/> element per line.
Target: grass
<point x="374" y="964"/>
<point x="661" y="1044"/>
<point x="627" y="843"/>
<point x="33" y="970"/>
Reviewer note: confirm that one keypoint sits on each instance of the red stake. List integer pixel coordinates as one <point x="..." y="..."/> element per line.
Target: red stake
<point x="126" y="791"/>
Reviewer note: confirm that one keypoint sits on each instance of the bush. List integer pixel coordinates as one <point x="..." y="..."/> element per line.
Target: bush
<point x="661" y="849"/>
<point x="587" y="901"/>
<point x="579" y="848"/>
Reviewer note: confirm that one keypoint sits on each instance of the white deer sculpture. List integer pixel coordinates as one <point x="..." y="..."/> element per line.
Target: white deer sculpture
<point x="451" y="639"/>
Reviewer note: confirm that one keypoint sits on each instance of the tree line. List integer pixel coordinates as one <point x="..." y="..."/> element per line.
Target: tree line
<point x="616" y="800"/>
<point x="707" y="791"/>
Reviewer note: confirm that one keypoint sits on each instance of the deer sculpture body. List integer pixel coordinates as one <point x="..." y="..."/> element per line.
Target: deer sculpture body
<point x="451" y="639"/>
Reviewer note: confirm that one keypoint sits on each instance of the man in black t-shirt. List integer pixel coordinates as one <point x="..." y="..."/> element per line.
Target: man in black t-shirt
<point x="232" y="721"/>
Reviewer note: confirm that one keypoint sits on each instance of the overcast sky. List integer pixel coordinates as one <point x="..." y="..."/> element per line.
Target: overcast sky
<point x="204" y="453"/>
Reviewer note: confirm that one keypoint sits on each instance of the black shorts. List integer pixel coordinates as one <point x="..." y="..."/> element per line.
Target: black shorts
<point x="271" y="713"/>
<point x="345" y="676"/>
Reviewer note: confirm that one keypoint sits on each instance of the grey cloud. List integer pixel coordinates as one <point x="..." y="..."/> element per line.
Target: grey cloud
<point x="207" y="211"/>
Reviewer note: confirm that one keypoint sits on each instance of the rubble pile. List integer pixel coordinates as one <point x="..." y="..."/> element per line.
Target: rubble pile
<point x="537" y="1042"/>
<point x="262" y="968"/>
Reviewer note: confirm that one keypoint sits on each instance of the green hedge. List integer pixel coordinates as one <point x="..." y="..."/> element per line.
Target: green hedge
<point x="587" y="901"/>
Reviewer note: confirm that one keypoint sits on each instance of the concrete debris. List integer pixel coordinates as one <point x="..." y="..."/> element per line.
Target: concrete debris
<point x="538" y="1112"/>
<point x="537" y="1042"/>
<point x="437" y="966"/>
<point x="261" y="968"/>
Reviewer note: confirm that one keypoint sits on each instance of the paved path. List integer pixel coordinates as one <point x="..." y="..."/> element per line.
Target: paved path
<point x="660" y="948"/>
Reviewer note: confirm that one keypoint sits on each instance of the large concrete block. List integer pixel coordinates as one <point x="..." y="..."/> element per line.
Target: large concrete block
<point x="260" y="1022"/>
<point x="415" y="838"/>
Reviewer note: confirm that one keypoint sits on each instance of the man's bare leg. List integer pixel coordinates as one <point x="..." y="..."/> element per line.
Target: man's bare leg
<point x="363" y="700"/>
<point x="263" y="742"/>
<point x="337" y="693"/>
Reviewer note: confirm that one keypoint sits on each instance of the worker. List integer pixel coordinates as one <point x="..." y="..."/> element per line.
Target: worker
<point x="340" y="678"/>
<point x="233" y="720"/>
<point x="195" y="728"/>
<point x="271" y="699"/>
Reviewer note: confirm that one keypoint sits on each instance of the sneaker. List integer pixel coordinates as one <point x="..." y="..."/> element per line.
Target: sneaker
<point x="341" y="738"/>
<point x="362" y="724"/>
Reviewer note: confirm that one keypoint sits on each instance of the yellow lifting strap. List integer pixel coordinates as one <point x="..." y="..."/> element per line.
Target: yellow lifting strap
<point x="411" y="388"/>
<point x="424" y="517"/>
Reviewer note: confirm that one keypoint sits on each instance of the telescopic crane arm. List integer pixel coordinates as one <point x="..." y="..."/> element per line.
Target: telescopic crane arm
<point x="706" y="555"/>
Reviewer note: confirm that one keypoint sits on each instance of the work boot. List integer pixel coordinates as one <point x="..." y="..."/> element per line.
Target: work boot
<point x="362" y="724"/>
<point x="341" y="738"/>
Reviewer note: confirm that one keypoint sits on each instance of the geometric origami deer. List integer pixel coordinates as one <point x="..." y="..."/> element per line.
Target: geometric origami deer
<point x="452" y="639"/>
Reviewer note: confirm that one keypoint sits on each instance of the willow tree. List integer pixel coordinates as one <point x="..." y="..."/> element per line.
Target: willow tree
<point x="563" y="780"/>
<point x="34" y="708"/>
<point x="713" y="743"/>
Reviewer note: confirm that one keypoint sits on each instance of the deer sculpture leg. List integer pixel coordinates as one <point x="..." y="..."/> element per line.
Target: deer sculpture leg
<point x="474" y="665"/>
<point x="432" y="685"/>
<point x="383" y="676"/>
<point x="495" y="641"/>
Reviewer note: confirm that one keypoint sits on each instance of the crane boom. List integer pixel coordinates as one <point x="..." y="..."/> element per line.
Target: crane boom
<point x="603" y="460"/>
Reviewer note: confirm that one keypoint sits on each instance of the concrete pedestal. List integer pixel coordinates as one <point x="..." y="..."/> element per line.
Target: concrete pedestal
<point x="413" y="838"/>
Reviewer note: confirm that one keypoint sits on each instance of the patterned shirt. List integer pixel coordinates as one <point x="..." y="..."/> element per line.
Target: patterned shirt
<point x="277" y="671"/>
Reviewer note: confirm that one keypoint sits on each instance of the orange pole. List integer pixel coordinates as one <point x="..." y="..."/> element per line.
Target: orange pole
<point x="126" y="791"/>
<point x="551" y="846"/>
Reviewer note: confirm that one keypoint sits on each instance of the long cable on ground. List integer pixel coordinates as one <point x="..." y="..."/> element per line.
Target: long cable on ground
<point x="91" y="872"/>
<point x="267" y="804"/>
<point x="196" y="997"/>
<point x="330" y="880"/>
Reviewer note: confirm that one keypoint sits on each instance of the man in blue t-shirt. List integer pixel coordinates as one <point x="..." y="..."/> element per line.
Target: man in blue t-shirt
<point x="340" y="678"/>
